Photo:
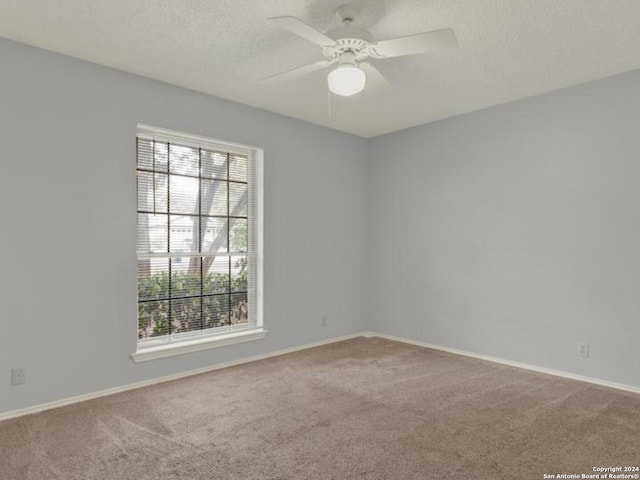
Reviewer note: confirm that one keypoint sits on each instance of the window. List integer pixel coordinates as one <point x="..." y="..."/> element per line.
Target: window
<point x="199" y="242"/>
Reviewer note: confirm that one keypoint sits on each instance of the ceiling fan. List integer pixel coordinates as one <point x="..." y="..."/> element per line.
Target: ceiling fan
<point x="348" y="48"/>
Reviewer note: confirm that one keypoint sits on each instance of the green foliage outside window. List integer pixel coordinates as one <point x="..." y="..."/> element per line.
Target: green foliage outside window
<point x="224" y="302"/>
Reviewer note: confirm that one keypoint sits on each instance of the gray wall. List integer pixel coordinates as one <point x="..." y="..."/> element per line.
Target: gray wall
<point x="514" y="231"/>
<point x="67" y="206"/>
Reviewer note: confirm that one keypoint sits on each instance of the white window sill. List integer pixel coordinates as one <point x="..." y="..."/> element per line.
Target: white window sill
<point x="145" y="354"/>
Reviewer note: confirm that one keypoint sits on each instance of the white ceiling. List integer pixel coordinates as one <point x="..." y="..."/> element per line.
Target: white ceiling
<point x="509" y="49"/>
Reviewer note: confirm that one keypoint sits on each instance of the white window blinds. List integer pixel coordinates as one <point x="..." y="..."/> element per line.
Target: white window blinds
<point x="199" y="235"/>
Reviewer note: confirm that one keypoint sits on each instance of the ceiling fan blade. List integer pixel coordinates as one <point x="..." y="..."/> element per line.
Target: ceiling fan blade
<point x="299" y="71"/>
<point x="297" y="26"/>
<point x="376" y="82"/>
<point x="414" y="44"/>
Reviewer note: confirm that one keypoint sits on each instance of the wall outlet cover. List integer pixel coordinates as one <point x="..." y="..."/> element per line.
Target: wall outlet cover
<point x="17" y="376"/>
<point x="583" y="349"/>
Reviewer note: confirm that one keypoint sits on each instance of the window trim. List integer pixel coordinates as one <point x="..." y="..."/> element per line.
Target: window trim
<point x="203" y="342"/>
<point x="188" y="342"/>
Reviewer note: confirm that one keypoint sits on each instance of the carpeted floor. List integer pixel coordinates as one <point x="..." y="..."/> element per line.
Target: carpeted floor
<point x="361" y="409"/>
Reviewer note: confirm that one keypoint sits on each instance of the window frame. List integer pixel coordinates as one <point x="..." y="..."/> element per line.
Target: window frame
<point x="195" y="340"/>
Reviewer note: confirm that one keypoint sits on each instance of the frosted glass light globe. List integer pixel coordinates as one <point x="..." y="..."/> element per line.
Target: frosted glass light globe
<point x="346" y="80"/>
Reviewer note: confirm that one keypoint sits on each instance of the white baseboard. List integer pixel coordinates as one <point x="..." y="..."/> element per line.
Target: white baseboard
<point x="145" y="383"/>
<point x="132" y="386"/>
<point x="526" y="366"/>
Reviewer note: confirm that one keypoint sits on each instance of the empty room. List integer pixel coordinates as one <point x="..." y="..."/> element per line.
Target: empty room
<point x="310" y="239"/>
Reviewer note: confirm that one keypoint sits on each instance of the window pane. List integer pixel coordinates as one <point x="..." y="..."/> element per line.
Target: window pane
<point x="238" y="273"/>
<point x="185" y="315"/>
<point x="184" y="160"/>
<point x="214" y="197"/>
<point x="214" y="164"/>
<point x="215" y="310"/>
<point x="214" y="235"/>
<point x="238" y="308"/>
<point x="153" y="278"/>
<point x="152" y="233"/>
<point x="184" y="233"/>
<point x="152" y="197"/>
<point x="238" y="168"/>
<point x="216" y="275"/>
<point x="145" y="153"/>
<point x="183" y="193"/>
<point x="153" y="319"/>
<point x="238" y="199"/>
<point x="238" y="236"/>
<point x="152" y="155"/>
<point x="185" y="276"/>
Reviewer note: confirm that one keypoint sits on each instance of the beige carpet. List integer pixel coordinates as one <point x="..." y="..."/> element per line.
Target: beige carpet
<point x="361" y="409"/>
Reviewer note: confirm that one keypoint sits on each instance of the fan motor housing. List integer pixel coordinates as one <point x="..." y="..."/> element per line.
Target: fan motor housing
<point x="350" y="39"/>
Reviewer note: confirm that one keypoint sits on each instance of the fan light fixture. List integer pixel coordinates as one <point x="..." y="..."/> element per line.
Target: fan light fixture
<point x="346" y="80"/>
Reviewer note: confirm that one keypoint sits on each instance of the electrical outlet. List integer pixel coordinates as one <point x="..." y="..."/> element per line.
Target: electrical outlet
<point x="17" y="376"/>
<point x="323" y="321"/>
<point x="583" y="349"/>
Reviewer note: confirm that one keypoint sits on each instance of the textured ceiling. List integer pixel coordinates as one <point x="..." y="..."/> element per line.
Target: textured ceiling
<point x="509" y="49"/>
